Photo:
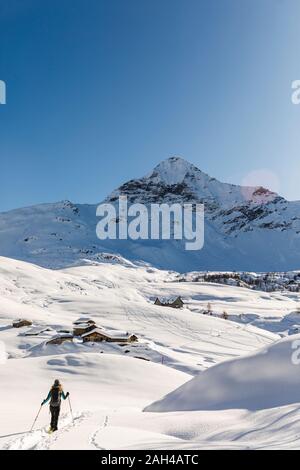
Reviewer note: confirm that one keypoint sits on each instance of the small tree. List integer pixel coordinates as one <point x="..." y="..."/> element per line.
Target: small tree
<point x="225" y="315"/>
<point x="207" y="310"/>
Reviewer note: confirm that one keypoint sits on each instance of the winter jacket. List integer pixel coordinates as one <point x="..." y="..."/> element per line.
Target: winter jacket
<point x="61" y="394"/>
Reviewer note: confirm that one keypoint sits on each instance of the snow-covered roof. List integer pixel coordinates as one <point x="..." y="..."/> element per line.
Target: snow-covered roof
<point x="95" y="330"/>
<point x="119" y="334"/>
<point x="169" y="300"/>
<point x="81" y="325"/>
<point x="109" y="334"/>
<point x="62" y="335"/>
<point x="18" y="320"/>
<point x="35" y="330"/>
<point x="65" y="336"/>
<point x="83" y="320"/>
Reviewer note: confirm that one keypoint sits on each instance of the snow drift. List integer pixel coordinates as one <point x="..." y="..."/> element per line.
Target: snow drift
<point x="263" y="380"/>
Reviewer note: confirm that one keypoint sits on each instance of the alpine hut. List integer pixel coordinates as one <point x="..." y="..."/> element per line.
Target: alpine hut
<point x="174" y="303"/>
<point x="59" y="339"/>
<point x="21" y="322"/>
<point x="98" y="335"/>
<point x="80" y="328"/>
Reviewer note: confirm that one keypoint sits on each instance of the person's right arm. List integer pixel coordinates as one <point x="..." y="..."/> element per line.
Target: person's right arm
<point x="46" y="399"/>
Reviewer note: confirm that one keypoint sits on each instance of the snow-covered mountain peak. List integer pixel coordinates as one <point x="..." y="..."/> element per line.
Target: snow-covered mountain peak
<point x="177" y="180"/>
<point x="246" y="228"/>
<point x="173" y="171"/>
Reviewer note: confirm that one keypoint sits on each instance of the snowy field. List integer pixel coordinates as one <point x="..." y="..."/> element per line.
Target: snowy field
<point x="191" y="380"/>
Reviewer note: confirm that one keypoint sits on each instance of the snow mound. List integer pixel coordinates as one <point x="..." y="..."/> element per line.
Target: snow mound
<point x="267" y="379"/>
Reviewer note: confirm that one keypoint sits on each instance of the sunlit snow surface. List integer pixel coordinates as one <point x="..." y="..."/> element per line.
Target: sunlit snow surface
<point x="246" y="403"/>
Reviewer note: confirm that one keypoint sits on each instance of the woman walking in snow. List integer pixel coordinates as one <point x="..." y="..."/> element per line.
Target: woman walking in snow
<point x="55" y="395"/>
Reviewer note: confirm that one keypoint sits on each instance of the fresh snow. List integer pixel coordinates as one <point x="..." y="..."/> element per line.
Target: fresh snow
<point x="265" y="379"/>
<point x="246" y="229"/>
<point x="223" y="366"/>
<point x="217" y="373"/>
<point x="171" y="171"/>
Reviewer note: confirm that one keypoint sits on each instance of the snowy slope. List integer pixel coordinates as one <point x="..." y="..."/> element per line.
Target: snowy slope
<point x="96" y="382"/>
<point x="250" y="229"/>
<point x="110" y="385"/>
<point x="121" y="298"/>
<point x="266" y="379"/>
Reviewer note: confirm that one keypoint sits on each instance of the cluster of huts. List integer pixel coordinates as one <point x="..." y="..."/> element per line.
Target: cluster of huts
<point x="84" y="328"/>
<point x="87" y="329"/>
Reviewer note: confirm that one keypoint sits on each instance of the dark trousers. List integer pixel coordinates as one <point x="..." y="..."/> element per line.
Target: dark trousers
<point x="54" y="410"/>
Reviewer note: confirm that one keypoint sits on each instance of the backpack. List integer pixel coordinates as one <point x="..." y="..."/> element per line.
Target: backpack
<point x="55" y="396"/>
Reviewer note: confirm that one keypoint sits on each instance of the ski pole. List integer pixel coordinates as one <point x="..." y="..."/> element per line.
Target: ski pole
<point x="71" y="408"/>
<point x="36" y="418"/>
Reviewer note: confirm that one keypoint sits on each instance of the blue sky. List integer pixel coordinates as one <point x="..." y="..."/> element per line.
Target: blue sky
<point x="98" y="92"/>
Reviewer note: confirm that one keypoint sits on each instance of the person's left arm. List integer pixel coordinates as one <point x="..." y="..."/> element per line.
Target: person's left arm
<point x="65" y="396"/>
